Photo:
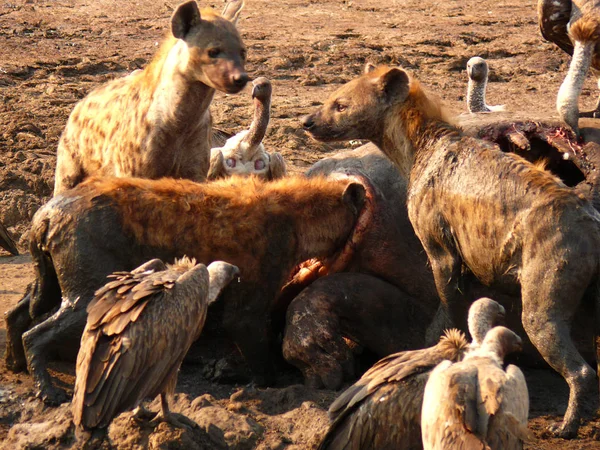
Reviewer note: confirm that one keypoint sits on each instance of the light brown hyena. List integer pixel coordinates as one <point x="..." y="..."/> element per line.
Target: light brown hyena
<point x="156" y="122"/>
<point x="481" y="212"/>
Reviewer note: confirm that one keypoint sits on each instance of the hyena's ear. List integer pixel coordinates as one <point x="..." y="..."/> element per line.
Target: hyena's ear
<point x="395" y="84"/>
<point x="185" y="17"/>
<point x="369" y="67"/>
<point x="232" y="10"/>
<point x="354" y="195"/>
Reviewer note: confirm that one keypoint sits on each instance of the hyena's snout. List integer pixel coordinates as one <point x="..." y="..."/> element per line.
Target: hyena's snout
<point x="239" y="79"/>
<point x="308" y="122"/>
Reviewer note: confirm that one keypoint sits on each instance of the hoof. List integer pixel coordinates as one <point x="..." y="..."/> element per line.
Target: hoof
<point x="52" y="396"/>
<point x="563" y="430"/>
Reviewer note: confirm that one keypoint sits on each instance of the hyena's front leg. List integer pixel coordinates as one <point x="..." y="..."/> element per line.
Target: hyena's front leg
<point x="66" y="324"/>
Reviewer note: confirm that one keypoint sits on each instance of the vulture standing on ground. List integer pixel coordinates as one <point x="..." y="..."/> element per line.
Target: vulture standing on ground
<point x="6" y="241"/>
<point x="573" y="25"/>
<point x="477" y="70"/>
<point x="382" y="410"/>
<point x="139" y="328"/>
<point x="476" y="403"/>
<point x="244" y="153"/>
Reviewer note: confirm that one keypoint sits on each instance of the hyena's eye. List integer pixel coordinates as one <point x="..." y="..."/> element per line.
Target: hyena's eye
<point x="339" y="107"/>
<point x="214" y="52"/>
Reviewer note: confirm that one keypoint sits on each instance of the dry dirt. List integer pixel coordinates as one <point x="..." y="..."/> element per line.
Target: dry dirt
<point x="53" y="52"/>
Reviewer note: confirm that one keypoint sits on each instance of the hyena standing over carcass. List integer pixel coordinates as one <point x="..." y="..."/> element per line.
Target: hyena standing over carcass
<point x="481" y="212"/>
<point x="156" y="122"/>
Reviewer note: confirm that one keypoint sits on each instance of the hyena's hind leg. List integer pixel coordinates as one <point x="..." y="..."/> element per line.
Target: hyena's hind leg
<point x="18" y="321"/>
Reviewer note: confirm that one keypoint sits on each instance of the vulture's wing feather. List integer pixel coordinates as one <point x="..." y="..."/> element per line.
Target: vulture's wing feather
<point x="553" y="18"/>
<point x="508" y="428"/>
<point x="127" y="355"/>
<point x="515" y="393"/>
<point x="386" y="419"/>
<point x="455" y="422"/>
<point x="384" y="406"/>
<point x="397" y="367"/>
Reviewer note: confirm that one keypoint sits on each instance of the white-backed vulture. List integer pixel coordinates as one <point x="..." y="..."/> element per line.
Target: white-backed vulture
<point x="477" y="70"/>
<point x="139" y="328"/>
<point x="382" y="410"/>
<point x="476" y="403"/>
<point x="574" y="26"/>
<point x="244" y="154"/>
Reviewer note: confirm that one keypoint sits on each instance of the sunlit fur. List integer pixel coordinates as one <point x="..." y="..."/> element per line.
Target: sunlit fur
<point x="181" y="211"/>
<point x="154" y="122"/>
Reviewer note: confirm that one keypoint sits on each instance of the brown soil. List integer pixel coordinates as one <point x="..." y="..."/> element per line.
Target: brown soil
<point x="53" y="52"/>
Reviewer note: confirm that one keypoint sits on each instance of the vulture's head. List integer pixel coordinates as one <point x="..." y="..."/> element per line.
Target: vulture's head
<point x="477" y="69"/>
<point x="484" y="314"/>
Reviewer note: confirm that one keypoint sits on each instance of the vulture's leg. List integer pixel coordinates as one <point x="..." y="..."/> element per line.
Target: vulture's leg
<point x="165" y="415"/>
<point x="550" y="299"/>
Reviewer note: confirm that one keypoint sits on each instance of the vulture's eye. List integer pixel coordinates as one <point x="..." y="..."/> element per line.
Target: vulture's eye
<point x="230" y="162"/>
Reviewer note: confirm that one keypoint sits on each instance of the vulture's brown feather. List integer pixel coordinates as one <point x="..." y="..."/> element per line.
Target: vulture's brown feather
<point x="382" y="410"/>
<point x="139" y="329"/>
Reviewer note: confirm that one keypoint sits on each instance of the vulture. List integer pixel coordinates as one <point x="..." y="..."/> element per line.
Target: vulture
<point x="476" y="403"/>
<point x="574" y="26"/>
<point x="477" y="70"/>
<point x="6" y="241"/>
<point x="244" y="153"/>
<point x="139" y="328"/>
<point x="382" y="410"/>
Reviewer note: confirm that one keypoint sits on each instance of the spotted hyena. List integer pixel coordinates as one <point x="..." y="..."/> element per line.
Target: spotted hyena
<point x="156" y="122"/>
<point x="480" y="212"/>
<point x="105" y="225"/>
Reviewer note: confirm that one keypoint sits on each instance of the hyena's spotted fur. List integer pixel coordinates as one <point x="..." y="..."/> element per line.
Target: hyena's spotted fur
<point x="156" y="122"/>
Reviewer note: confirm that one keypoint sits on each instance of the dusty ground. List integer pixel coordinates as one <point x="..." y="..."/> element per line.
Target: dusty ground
<point x="53" y="52"/>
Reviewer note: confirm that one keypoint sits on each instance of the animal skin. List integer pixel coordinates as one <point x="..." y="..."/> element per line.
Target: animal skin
<point x="477" y="71"/>
<point x="362" y="308"/>
<point x="244" y="154"/>
<point x="108" y="225"/>
<point x="156" y="122"/>
<point x="482" y="212"/>
<point x="476" y="403"/>
<point x="382" y="410"/>
<point x="140" y="325"/>
<point x="574" y="26"/>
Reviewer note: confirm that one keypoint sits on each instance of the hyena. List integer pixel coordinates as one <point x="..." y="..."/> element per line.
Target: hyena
<point x="481" y="212"/>
<point x="156" y="122"/>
